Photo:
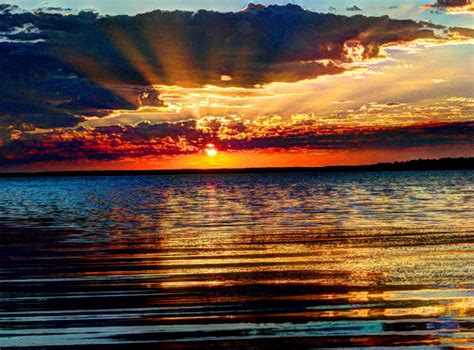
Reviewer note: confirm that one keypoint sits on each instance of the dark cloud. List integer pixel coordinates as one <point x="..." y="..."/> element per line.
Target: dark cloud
<point x="354" y="8"/>
<point x="451" y="6"/>
<point x="6" y="8"/>
<point x="453" y="3"/>
<point x="53" y="65"/>
<point x="367" y="138"/>
<point x="228" y="133"/>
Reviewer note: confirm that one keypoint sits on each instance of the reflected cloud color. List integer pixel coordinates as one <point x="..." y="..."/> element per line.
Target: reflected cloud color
<point x="362" y="257"/>
<point x="344" y="259"/>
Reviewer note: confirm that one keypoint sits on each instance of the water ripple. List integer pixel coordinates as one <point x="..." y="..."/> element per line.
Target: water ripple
<point x="238" y="261"/>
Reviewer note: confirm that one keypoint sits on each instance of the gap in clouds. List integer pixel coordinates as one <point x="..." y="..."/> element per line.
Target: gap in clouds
<point x="147" y="88"/>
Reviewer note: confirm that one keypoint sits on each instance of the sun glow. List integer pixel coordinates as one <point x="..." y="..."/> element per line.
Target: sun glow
<point x="211" y="150"/>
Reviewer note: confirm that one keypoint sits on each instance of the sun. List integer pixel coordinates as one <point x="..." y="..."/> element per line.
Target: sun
<point x="211" y="150"/>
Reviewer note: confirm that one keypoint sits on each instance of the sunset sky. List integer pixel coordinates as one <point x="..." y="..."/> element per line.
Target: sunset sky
<point x="268" y="86"/>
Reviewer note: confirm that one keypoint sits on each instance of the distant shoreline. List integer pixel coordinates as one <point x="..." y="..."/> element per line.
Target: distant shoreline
<point x="413" y="165"/>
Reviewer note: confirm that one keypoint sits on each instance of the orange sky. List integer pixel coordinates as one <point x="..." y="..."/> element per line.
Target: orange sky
<point x="414" y="101"/>
<point x="258" y="159"/>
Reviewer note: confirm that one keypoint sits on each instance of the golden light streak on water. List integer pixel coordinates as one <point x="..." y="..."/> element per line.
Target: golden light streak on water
<point x="308" y="260"/>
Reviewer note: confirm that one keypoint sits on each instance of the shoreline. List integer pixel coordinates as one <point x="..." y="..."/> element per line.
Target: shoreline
<point x="444" y="164"/>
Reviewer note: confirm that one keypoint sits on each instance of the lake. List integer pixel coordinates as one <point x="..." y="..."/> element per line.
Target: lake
<point x="318" y="260"/>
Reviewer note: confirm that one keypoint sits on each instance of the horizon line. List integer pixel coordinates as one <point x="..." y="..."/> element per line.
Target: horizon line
<point x="459" y="163"/>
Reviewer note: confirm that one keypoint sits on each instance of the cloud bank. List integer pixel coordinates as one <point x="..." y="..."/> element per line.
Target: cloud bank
<point x="63" y="66"/>
<point x="228" y="134"/>
<point x="60" y="69"/>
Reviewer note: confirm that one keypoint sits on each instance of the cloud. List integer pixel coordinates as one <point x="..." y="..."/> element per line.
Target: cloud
<point x="82" y="64"/>
<point x="453" y="3"/>
<point x="68" y="80"/>
<point x="452" y="7"/>
<point x="354" y="8"/>
<point x="229" y="133"/>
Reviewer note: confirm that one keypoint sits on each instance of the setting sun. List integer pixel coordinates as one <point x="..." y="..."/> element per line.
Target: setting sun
<point x="202" y="174"/>
<point x="211" y="150"/>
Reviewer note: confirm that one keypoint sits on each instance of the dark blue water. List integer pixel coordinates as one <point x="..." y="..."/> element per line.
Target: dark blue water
<point x="262" y="260"/>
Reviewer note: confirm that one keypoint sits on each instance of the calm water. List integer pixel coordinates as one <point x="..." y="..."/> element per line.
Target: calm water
<point x="238" y="261"/>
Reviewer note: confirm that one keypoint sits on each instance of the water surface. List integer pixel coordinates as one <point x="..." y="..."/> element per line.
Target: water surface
<point x="238" y="260"/>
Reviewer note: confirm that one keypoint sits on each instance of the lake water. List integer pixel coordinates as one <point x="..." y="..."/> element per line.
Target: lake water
<point x="237" y="261"/>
